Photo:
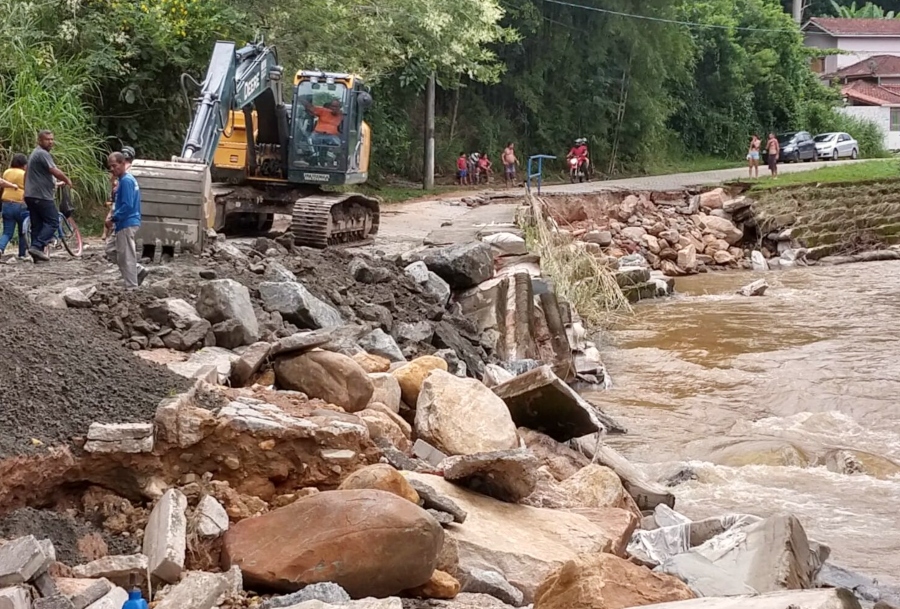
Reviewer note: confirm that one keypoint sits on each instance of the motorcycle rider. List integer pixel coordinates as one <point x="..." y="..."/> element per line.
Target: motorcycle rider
<point x="579" y="151"/>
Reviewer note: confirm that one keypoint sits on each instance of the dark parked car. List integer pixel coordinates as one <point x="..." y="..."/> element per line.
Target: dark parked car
<point x="796" y="147"/>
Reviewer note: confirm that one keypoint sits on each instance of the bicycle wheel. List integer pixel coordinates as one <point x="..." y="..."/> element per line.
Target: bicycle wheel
<point x="70" y="235"/>
<point x="26" y="232"/>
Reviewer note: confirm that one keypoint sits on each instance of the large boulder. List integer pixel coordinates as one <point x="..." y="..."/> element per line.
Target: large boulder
<point x="411" y="376"/>
<point x="297" y="305"/>
<point x="462" y="266"/>
<point x="380" y="477"/>
<point x="596" y="486"/>
<point x="723" y="228"/>
<point x="507" y="475"/>
<point x="222" y="300"/>
<point x="326" y="375"/>
<point x="369" y="542"/>
<point x="524" y="544"/>
<point x="429" y="281"/>
<point x="462" y="416"/>
<point x="604" y="581"/>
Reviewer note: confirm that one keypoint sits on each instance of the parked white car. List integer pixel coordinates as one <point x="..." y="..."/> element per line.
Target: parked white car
<point x="836" y="145"/>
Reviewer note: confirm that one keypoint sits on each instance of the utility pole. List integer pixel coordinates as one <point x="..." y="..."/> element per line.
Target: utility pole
<point x="798" y="10"/>
<point x="428" y="181"/>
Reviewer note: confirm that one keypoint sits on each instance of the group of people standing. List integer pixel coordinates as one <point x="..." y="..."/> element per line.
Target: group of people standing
<point x="29" y="191"/>
<point x="471" y="168"/>
<point x="773" y="149"/>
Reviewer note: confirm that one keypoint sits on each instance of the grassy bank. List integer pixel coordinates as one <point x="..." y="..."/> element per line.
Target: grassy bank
<point x="838" y="173"/>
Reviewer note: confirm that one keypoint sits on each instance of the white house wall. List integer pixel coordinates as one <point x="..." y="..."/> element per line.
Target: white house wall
<point x="881" y="116"/>
<point x="862" y="48"/>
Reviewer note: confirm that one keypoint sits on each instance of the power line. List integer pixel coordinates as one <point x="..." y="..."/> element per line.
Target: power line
<point x="669" y="21"/>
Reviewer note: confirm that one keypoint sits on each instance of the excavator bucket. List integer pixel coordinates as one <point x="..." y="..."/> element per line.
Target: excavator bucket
<point x="177" y="205"/>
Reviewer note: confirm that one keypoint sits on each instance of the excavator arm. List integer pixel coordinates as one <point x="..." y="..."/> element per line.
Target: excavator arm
<point x="238" y="79"/>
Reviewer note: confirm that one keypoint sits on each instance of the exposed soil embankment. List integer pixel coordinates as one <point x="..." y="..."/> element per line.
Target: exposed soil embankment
<point x="61" y="371"/>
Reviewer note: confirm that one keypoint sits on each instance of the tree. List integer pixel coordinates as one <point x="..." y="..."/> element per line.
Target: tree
<point x="866" y="11"/>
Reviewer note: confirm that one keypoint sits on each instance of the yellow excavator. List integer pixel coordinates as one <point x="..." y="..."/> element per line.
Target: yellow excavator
<point x="248" y="154"/>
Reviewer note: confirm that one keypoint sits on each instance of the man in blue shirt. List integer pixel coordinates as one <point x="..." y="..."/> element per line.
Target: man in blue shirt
<point x="126" y="220"/>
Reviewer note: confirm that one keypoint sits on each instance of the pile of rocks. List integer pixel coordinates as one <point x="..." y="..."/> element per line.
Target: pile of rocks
<point x="443" y="493"/>
<point x="676" y="233"/>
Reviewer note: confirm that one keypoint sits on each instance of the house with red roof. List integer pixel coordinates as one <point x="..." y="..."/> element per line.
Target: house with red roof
<point x="867" y="67"/>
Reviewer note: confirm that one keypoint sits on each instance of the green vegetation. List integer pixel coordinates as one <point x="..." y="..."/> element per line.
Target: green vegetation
<point x="838" y="173"/>
<point x="651" y="96"/>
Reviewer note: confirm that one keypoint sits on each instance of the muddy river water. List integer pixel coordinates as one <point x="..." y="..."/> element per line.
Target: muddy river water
<point x="751" y="394"/>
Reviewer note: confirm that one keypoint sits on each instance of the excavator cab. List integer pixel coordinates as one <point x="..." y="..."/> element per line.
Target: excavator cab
<point x="330" y="141"/>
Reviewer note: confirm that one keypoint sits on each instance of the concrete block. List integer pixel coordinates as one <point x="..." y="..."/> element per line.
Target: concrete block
<point x="45" y="585"/>
<point x="123" y="570"/>
<point x="119" y="438"/>
<point x="114" y="599"/>
<point x="15" y="598"/>
<point x="212" y="519"/>
<point x="198" y="590"/>
<point x="165" y="538"/>
<point x="428" y="453"/>
<point x="22" y="559"/>
<point x="83" y="592"/>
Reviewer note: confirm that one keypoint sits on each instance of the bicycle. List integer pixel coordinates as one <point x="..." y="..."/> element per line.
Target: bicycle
<point x="67" y="233"/>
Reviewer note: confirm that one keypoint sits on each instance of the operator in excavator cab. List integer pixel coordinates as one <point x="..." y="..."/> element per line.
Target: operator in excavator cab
<point x="327" y="131"/>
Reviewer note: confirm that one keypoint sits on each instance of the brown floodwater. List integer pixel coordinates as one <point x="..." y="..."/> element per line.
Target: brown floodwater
<point x="753" y="393"/>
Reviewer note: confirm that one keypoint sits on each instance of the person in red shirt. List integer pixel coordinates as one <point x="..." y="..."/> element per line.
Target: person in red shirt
<point x="579" y="151"/>
<point x="484" y="167"/>
<point x="462" y="169"/>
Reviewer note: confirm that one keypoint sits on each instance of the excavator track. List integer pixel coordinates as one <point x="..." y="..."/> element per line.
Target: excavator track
<point x="325" y="219"/>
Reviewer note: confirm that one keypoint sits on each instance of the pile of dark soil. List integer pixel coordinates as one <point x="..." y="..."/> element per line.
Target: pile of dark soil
<point x="60" y="371"/>
<point x="76" y="540"/>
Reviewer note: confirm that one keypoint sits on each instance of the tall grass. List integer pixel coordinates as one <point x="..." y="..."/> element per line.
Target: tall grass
<point x="580" y="278"/>
<point x="38" y="91"/>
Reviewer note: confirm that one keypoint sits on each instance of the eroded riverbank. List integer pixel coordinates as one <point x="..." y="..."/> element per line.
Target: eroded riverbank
<point x="752" y="393"/>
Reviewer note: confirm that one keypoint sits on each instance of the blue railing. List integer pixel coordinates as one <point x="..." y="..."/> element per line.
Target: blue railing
<point x="540" y="167"/>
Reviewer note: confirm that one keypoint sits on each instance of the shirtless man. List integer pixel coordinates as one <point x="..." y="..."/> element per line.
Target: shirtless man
<point x="773" y="149"/>
<point x="509" y="163"/>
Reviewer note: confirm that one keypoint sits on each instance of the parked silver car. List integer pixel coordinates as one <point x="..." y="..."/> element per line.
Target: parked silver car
<point x="836" y="145"/>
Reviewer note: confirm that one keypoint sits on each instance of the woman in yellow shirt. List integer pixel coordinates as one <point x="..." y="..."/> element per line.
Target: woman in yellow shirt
<point x="14" y="210"/>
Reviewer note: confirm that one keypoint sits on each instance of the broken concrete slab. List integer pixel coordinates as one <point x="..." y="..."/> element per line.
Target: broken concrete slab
<point x="431" y="499"/>
<point x="119" y="438"/>
<point x="21" y="560"/>
<point x="703" y="577"/>
<point x="302" y="341"/>
<point x="16" y="597"/>
<point x="222" y="359"/>
<point x="251" y="360"/>
<point x="865" y="588"/>
<point x="199" y="590"/>
<point x="757" y="288"/>
<point x="799" y="599"/>
<point x="165" y="538"/>
<point x="212" y="519"/>
<point x="114" y="599"/>
<point x="769" y="556"/>
<point x="122" y="569"/>
<point x="45" y="584"/>
<point x="540" y="400"/>
<point x="83" y="592"/>
<point x="507" y="475"/>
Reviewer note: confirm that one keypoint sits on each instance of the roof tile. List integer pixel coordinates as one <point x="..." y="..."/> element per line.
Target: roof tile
<point x="857" y="27"/>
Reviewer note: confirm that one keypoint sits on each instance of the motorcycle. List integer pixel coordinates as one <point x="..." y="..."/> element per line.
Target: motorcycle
<point x="578" y="170"/>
